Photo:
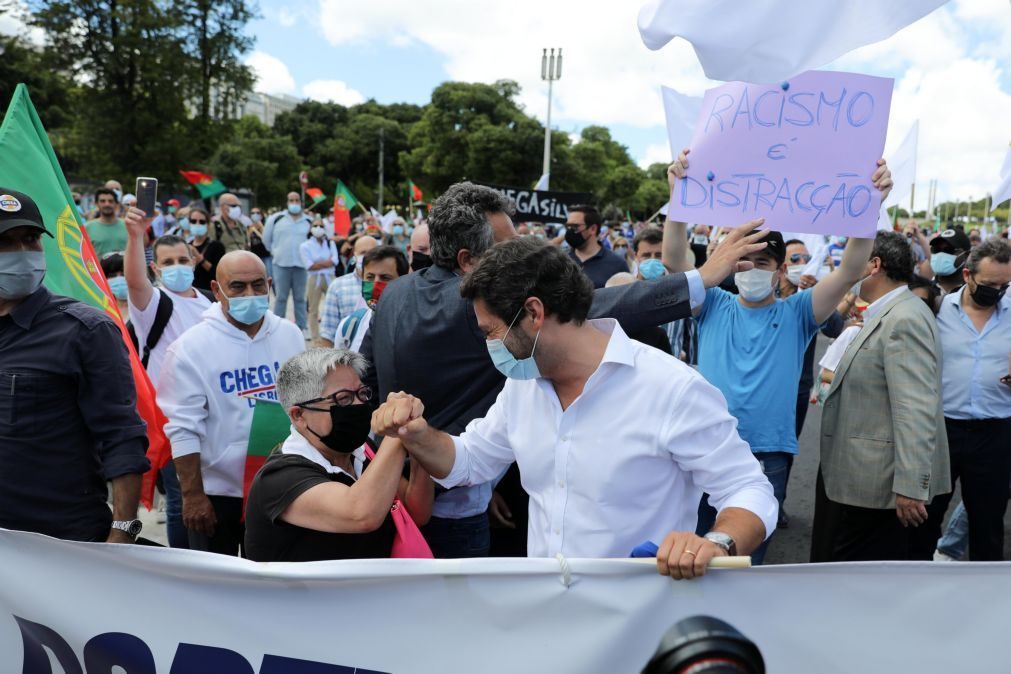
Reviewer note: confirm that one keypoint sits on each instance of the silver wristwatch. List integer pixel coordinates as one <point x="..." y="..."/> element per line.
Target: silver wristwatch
<point x="723" y="540"/>
<point x="131" y="527"/>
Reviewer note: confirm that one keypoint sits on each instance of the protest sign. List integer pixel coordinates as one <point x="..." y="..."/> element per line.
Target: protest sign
<point x="539" y="205"/>
<point x="800" y="154"/>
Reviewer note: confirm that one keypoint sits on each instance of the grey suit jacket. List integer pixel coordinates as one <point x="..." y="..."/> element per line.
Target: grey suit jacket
<point x="883" y="428"/>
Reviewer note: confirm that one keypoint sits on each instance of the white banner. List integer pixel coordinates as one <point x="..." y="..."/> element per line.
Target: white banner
<point x="89" y="608"/>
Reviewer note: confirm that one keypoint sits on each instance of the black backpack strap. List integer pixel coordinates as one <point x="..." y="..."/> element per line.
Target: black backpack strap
<point x="206" y="293"/>
<point x="161" y="318"/>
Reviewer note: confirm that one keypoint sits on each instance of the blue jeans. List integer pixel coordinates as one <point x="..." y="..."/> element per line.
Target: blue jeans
<point x="290" y="280"/>
<point x="453" y="539"/>
<point x="177" y="536"/>
<point x="268" y="262"/>
<point x="776" y="466"/>
<point x="956" y="536"/>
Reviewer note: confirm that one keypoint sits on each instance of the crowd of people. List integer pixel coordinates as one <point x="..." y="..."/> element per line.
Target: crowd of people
<point x="585" y="389"/>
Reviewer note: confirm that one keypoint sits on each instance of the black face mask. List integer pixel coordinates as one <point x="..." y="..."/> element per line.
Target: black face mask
<point x="351" y="425"/>
<point x="420" y="261"/>
<point x="574" y="239"/>
<point x="985" y="296"/>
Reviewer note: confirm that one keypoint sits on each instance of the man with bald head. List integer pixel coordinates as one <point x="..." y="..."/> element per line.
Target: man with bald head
<point x="285" y="231"/>
<point x="230" y="224"/>
<point x="421" y="249"/>
<point x="209" y="380"/>
<point x="344" y="296"/>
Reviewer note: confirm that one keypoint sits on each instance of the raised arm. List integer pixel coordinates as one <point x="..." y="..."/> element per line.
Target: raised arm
<point x="675" y="234"/>
<point x="827" y="295"/>
<point x="134" y="263"/>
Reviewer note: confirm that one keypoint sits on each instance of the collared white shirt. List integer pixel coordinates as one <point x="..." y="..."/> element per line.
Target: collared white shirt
<point x="973" y="361"/>
<point x="315" y="250"/>
<point x="875" y="307"/>
<point x="628" y="460"/>
<point x="297" y="444"/>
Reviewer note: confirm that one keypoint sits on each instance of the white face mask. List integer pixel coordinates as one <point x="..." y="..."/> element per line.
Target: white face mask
<point x="235" y="212"/>
<point x="754" y="285"/>
<point x="318" y="232"/>
<point x="794" y="272"/>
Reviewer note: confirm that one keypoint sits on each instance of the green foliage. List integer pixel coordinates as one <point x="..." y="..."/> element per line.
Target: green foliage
<point x="258" y="159"/>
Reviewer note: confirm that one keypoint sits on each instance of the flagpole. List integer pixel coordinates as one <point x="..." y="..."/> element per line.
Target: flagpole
<point x="382" y="139"/>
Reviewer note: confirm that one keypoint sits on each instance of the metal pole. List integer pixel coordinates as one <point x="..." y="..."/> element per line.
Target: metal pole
<point x="382" y="138"/>
<point x="546" y="168"/>
<point x="986" y="212"/>
<point x="551" y="70"/>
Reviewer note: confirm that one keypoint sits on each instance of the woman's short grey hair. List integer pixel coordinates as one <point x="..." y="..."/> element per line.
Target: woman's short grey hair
<point x="301" y="377"/>
<point x="459" y="221"/>
<point x="995" y="248"/>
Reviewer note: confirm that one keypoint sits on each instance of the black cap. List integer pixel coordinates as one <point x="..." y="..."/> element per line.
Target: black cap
<point x="17" y="209"/>
<point x="776" y="247"/>
<point x="950" y="240"/>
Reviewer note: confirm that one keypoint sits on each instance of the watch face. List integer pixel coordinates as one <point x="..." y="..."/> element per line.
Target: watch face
<point x="135" y="527"/>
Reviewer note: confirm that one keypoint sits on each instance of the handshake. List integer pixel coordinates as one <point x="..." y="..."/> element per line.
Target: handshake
<point x="400" y="417"/>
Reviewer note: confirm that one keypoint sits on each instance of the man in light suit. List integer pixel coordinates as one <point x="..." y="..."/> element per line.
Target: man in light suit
<point x="884" y="452"/>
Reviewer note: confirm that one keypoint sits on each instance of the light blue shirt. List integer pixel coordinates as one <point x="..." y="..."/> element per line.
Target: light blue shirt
<point x="974" y="361"/>
<point x="755" y="357"/>
<point x="283" y="235"/>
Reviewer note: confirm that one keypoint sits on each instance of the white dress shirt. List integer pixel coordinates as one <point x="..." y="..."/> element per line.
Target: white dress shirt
<point x="875" y="307"/>
<point x="626" y="463"/>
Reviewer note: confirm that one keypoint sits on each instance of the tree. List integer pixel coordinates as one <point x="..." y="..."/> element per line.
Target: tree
<point x="258" y="159"/>
<point x="473" y="131"/>
<point x="213" y="36"/>
<point x="51" y="92"/>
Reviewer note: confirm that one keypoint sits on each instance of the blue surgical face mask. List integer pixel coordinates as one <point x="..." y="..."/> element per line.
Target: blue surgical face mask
<point x="117" y="284"/>
<point x="652" y="269"/>
<point x="198" y="230"/>
<point x="294" y="209"/>
<point x="248" y="309"/>
<point x="398" y="230"/>
<point x="508" y="364"/>
<point x="177" y="278"/>
<point x="943" y="264"/>
<point x="184" y="224"/>
<point x="21" y="274"/>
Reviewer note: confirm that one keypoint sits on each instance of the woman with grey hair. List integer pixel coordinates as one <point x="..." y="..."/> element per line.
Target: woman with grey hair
<point x="314" y="499"/>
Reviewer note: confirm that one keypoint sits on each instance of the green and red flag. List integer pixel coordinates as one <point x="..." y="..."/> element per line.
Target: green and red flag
<point x="28" y="164"/>
<point x="269" y="430"/>
<point x="207" y="185"/>
<point x="343" y="202"/>
<point x="415" y="193"/>
<point x="316" y="194"/>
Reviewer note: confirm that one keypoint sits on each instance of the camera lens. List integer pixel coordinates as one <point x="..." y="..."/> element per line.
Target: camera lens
<point x="705" y="645"/>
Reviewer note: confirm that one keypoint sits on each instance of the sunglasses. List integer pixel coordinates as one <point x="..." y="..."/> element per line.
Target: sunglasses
<point x="197" y="222"/>
<point x="800" y="257"/>
<point x="342" y="398"/>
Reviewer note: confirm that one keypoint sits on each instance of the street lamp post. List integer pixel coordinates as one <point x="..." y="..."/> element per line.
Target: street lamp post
<point x="551" y="70"/>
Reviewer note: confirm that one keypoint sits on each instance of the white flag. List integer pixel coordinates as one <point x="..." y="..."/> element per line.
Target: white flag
<point x="387" y="220"/>
<point x="1003" y="191"/>
<point x="767" y="41"/>
<point x="903" y="166"/>
<point x="682" y="114"/>
<point x="542" y="184"/>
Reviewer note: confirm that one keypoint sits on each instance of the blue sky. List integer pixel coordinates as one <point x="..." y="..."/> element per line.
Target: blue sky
<point x="951" y="69"/>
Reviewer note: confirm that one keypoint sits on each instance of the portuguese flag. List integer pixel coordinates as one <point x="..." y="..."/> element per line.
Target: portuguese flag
<point x="207" y="186"/>
<point x="415" y="193"/>
<point x="270" y="429"/>
<point x="343" y="202"/>
<point x="28" y="164"/>
<point x="316" y="194"/>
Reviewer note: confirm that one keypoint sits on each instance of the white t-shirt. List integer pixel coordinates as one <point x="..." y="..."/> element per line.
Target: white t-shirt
<point x="186" y="312"/>
<point x="363" y="326"/>
<point x="833" y="355"/>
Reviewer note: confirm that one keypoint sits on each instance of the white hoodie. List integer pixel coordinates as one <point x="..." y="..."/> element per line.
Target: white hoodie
<point x="202" y="377"/>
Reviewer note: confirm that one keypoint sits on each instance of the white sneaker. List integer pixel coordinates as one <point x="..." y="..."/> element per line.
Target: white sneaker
<point x="941" y="557"/>
<point x="306" y="334"/>
<point x="160" y="517"/>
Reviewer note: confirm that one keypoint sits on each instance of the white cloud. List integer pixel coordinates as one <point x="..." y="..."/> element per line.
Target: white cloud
<point x="272" y="75"/>
<point x="12" y="22"/>
<point x="332" y="90"/>
<point x="948" y="66"/>
<point x="286" y="17"/>
<point x="659" y="152"/>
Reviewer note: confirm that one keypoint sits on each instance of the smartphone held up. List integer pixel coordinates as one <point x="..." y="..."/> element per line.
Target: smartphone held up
<point x="147" y="195"/>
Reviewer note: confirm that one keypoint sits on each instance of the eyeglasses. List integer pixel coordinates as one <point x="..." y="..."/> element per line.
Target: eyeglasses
<point x="342" y="398"/>
<point x="197" y="222"/>
<point x="800" y="257"/>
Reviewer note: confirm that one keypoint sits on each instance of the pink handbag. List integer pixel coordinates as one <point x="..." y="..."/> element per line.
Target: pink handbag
<point x="408" y="541"/>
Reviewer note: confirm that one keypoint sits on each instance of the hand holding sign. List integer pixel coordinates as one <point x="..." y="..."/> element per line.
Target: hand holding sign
<point x="799" y="154"/>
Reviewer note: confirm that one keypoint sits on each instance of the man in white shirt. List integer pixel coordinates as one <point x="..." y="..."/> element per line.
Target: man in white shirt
<point x="615" y="441"/>
<point x="159" y="316"/>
